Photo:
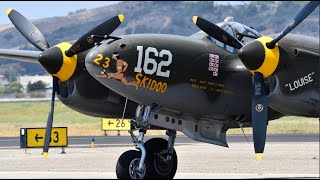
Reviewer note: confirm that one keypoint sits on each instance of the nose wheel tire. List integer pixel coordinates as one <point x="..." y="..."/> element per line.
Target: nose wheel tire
<point x="127" y="165"/>
<point x="159" y="166"/>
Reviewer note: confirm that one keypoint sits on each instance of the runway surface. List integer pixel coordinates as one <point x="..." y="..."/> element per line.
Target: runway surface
<point x="286" y="156"/>
<point x="14" y="142"/>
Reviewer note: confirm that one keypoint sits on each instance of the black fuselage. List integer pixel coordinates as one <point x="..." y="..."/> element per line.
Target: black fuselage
<point x="197" y="77"/>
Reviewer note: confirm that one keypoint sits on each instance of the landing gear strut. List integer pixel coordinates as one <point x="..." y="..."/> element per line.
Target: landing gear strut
<point x="156" y="158"/>
<point x="162" y="158"/>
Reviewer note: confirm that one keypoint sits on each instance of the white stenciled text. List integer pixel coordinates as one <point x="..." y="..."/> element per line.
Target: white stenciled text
<point x="300" y="82"/>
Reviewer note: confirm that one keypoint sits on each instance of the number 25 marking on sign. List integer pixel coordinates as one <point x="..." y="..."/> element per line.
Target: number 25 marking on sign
<point x="155" y="66"/>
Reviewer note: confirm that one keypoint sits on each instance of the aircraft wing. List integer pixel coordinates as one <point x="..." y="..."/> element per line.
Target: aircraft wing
<point x="199" y="35"/>
<point x="20" y="55"/>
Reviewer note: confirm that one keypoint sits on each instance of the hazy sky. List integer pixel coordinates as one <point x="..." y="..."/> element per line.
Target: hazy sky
<point x="42" y="9"/>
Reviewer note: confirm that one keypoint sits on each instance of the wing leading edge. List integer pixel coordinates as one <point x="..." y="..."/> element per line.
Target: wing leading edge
<point x="20" y="55"/>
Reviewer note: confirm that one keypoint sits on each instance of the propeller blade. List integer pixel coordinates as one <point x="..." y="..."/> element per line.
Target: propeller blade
<point x="86" y="42"/>
<point x="259" y="114"/>
<point x="308" y="9"/>
<point x="216" y="32"/>
<point x="50" y="119"/>
<point x="27" y="29"/>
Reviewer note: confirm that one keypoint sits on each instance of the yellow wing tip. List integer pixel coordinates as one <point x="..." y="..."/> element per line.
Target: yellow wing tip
<point x="194" y="19"/>
<point x="45" y="155"/>
<point x="8" y="11"/>
<point x="259" y="156"/>
<point x="121" y="17"/>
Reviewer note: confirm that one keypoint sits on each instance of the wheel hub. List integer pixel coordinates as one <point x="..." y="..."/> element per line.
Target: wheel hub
<point x="162" y="165"/>
<point x="134" y="171"/>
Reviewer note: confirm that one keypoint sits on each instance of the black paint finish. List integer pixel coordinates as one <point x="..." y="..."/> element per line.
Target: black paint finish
<point x="192" y="88"/>
<point x="51" y="60"/>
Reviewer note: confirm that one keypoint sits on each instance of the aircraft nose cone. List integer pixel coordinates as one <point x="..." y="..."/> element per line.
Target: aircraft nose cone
<point x="252" y="55"/>
<point x="51" y="59"/>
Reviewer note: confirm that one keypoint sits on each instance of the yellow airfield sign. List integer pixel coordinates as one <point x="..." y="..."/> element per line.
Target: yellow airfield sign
<point x="111" y="124"/>
<point x="35" y="137"/>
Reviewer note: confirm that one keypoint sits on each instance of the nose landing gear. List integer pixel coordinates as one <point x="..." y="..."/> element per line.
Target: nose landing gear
<point x="162" y="158"/>
<point x="156" y="158"/>
<point x="127" y="165"/>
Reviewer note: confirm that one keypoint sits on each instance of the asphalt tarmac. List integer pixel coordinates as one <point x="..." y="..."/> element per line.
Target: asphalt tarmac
<point x="286" y="156"/>
<point x="14" y="142"/>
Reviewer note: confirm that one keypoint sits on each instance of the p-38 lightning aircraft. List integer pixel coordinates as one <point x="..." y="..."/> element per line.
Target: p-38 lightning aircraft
<point x="201" y="85"/>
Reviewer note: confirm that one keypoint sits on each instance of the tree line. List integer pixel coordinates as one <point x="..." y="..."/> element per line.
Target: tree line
<point x="11" y="72"/>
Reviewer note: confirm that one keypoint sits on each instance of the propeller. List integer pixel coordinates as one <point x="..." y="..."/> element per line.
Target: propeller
<point x="34" y="36"/>
<point x="217" y="32"/>
<point x="60" y="60"/>
<point x="261" y="57"/>
<point x="304" y="13"/>
<point x="27" y="29"/>
<point x="259" y="109"/>
<point x="86" y="42"/>
<point x="50" y="118"/>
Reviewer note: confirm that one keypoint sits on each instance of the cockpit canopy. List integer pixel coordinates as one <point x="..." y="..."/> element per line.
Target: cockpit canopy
<point x="237" y="30"/>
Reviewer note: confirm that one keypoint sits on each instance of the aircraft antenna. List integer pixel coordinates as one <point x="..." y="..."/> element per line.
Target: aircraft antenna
<point x="124" y="109"/>
<point x="240" y="124"/>
<point x="117" y="10"/>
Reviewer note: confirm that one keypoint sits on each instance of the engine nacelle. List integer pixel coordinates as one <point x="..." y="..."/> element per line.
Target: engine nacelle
<point x="305" y="103"/>
<point x="86" y="95"/>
